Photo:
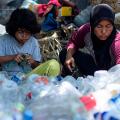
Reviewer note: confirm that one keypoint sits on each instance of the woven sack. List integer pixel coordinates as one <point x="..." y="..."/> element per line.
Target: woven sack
<point x="50" y="47"/>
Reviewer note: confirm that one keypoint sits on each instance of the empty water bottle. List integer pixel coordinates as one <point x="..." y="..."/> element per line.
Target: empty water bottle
<point x="71" y="80"/>
<point x="3" y="76"/>
<point x="19" y="78"/>
<point x="60" y="103"/>
<point x="114" y="73"/>
<point x="101" y="79"/>
<point x="9" y="91"/>
<point x="55" y="80"/>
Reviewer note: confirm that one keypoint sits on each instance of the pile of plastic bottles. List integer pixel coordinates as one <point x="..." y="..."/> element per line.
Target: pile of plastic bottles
<point x="55" y="98"/>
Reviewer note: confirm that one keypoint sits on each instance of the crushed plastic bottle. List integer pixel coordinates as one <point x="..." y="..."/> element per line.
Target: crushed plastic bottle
<point x="114" y="73"/>
<point x="55" y="80"/>
<point x="84" y="85"/>
<point x="9" y="91"/>
<point x="71" y="80"/>
<point x="19" y="78"/>
<point x="60" y="103"/>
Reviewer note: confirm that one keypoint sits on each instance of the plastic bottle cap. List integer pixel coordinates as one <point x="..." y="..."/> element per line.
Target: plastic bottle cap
<point x="59" y="78"/>
<point x="89" y="101"/>
<point x="20" y="107"/>
<point x="28" y="115"/>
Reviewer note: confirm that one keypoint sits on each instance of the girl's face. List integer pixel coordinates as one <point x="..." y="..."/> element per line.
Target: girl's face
<point x="22" y="35"/>
<point x="104" y="29"/>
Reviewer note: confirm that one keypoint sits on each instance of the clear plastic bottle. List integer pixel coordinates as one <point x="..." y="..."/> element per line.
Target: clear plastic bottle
<point x="71" y="80"/>
<point x="25" y="95"/>
<point x="3" y="76"/>
<point x="114" y="73"/>
<point x="84" y="85"/>
<point x="83" y="16"/>
<point x="80" y="84"/>
<point x="32" y="77"/>
<point x="60" y="103"/>
<point x="6" y="117"/>
<point x="9" y="91"/>
<point x="101" y="79"/>
<point x="17" y="116"/>
<point x="55" y="80"/>
<point x="32" y="88"/>
<point x="19" y="78"/>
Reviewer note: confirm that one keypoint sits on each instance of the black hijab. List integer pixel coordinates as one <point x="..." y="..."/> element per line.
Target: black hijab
<point x="102" y="48"/>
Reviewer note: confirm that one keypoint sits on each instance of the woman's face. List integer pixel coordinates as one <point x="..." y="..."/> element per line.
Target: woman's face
<point x="22" y="35"/>
<point x="104" y="29"/>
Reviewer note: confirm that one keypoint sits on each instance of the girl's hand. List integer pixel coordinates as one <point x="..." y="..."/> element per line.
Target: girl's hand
<point x="30" y="60"/>
<point x="18" y="58"/>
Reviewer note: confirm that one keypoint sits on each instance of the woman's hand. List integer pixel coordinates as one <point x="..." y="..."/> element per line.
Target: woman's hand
<point x="69" y="62"/>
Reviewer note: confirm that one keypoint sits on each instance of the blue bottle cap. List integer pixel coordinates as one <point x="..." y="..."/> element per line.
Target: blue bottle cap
<point x="27" y="115"/>
<point x="59" y="78"/>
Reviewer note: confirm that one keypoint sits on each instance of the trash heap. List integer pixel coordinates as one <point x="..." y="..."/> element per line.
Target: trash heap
<point x="55" y="98"/>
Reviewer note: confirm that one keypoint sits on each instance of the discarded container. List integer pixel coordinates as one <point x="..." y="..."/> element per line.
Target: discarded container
<point x="66" y="11"/>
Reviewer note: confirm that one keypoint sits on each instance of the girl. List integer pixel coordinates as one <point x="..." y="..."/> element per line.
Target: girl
<point x="19" y="49"/>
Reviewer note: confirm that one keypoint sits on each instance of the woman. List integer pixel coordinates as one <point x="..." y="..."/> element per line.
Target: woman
<point x="95" y="45"/>
<point x="19" y="49"/>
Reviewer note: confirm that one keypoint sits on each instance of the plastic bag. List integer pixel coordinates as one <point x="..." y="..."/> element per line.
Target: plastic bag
<point x="83" y="16"/>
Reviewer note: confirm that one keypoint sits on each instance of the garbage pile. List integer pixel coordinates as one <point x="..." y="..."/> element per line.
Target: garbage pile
<point x="55" y="98"/>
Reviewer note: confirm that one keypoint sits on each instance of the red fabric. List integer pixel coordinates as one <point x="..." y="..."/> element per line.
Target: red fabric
<point x="54" y="2"/>
<point x="77" y="39"/>
<point x="41" y="8"/>
<point x="115" y="48"/>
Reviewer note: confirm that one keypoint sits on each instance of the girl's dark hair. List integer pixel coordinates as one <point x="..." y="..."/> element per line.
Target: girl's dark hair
<point x="22" y="18"/>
